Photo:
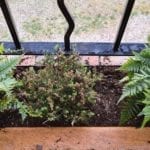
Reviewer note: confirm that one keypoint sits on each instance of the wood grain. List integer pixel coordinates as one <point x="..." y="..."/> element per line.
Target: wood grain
<point x="92" y="138"/>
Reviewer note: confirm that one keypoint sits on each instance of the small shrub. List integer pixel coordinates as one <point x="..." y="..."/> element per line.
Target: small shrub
<point x="136" y="91"/>
<point x="62" y="91"/>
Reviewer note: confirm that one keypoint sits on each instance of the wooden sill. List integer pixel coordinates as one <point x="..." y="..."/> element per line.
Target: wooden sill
<point x="85" y="138"/>
<point x="32" y="60"/>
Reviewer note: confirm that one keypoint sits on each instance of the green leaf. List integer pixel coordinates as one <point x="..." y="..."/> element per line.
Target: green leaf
<point x="1" y="49"/>
<point x="146" y="113"/>
<point x="4" y="104"/>
<point x="7" y="86"/>
<point x="130" y="109"/>
<point x="7" y="65"/>
<point x="136" y="90"/>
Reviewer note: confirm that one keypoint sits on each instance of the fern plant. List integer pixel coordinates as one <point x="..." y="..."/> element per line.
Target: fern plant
<point x="8" y="100"/>
<point x="136" y="91"/>
<point x="1" y="48"/>
<point x="7" y="82"/>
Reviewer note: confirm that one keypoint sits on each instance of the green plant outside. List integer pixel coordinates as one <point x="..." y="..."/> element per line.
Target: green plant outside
<point x="136" y="91"/>
<point x="62" y="91"/>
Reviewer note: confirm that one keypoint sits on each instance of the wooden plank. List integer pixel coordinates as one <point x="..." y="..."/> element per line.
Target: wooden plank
<point x="113" y="60"/>
<point x="85" y="138"/>
<point x="33" y="60"/>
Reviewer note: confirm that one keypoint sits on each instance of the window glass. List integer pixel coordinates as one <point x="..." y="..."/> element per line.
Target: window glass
<point x="138" y="28"/>
<point x="4" y="32"/>
<point x="96" y="20"/>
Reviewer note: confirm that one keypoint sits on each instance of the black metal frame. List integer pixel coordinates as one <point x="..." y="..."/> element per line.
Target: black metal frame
<point x="70" y="21"/>
<point x="10" y="23"/>
<point x="84" y="48"/>
<point x="123" y="24"/>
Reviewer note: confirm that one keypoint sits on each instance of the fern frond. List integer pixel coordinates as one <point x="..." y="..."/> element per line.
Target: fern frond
<point x="145" y="56"/>
<point x="146" y="113"/>
<point x="1" y="48"/>
<point x="147" y="97"/>
<point x="140" y="61"/>
<point x="146" y="109"/>
<point x="131" y="109"/>
<point x="14" y="104"/>
<point x="125" y="79"/>
<point x="25" y="110"/>
<point x="7" y="86"/>
<point x="7" y="65"/>
<point x="131" y="65"/>
<point x="4" y="104"/>
<point x="138" y="84"/>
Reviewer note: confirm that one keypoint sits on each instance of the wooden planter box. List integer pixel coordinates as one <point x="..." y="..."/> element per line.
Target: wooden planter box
<point x="91" y="138"/>
<point x="75" y="138"/>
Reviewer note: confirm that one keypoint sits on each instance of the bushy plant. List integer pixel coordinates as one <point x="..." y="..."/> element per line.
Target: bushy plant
<point x="136" y="91"/>
<point x="62" y="91"/>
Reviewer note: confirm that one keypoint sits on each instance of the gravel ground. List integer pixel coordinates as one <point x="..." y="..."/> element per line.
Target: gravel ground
<point x="96" y="20"/>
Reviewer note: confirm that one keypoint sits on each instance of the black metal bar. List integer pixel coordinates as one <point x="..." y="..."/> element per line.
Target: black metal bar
<point x="70" y="21"/>
<point x="123" y="25"/>
<point x="10" y="23"/>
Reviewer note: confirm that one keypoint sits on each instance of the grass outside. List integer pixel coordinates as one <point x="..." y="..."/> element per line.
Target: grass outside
<point x="96" y="20"/>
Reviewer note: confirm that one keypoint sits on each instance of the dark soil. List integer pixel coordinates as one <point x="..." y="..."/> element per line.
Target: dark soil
<point x="107" y="112"/>
<point x="106" y="109"/>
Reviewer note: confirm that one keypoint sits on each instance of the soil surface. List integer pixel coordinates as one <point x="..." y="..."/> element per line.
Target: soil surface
<point x="109" y="90"/>
<point x="107" y="112"/>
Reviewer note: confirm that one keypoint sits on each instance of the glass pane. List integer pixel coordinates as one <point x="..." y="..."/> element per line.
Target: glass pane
<point x="138" y="28"/>
<point x="4" y="32"/>
<point x="38" y="20"/>
<point x="96" y="20"/>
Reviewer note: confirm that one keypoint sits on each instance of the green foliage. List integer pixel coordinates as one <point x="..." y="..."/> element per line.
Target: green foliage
<point x="130" y="109"/>
<point x="7" y="81"/>
<point x="136" y="91"/>
<point x="61" y="91"/>
<point x="33" y="26"/>
<point x="8" y="99"/>
<point x="1" y="48"/>
<point x="146" y="109"/>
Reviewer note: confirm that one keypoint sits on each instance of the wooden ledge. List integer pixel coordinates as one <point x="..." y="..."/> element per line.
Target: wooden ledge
<point x="92" y="138"/>
<point x="32" y="60"/>
<point x="83" y="48"/>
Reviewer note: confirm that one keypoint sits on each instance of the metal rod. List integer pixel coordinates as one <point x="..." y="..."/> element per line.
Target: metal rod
<point x="70" y="21"/>
<point x="10" y="23"/>
<point x="123" y="24"/>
